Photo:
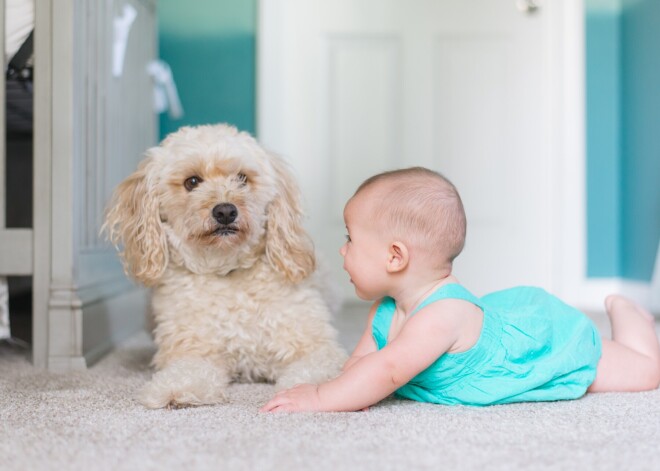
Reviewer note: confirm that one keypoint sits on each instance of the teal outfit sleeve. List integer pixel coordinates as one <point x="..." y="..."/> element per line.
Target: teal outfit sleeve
<point x="532" y="347"/>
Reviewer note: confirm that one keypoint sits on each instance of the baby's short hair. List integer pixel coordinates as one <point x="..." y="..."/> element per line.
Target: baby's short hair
<point x="421" y="207"/>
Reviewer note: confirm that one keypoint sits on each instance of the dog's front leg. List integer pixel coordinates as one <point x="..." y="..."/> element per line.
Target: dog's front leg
<point x="187" y="381"/>
<point x="323" y="364"/>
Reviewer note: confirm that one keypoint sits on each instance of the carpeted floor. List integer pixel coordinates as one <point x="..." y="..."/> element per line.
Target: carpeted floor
<point x="90" y="421"/>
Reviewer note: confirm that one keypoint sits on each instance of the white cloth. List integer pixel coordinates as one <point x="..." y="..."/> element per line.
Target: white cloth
<point x="4" y="308"/>
<point x="19" y="22"/>
<point x="166" y="96"/>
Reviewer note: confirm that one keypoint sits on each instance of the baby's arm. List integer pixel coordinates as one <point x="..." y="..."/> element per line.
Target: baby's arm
<point x="423" y="339"/>
<point x="366" y="344"/>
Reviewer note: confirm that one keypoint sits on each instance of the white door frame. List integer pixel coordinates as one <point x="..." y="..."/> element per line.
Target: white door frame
<point x="567" y="134"/>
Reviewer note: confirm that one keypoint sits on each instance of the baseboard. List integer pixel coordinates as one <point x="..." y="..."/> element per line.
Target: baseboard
<point x="594" y="290"/>
<point x="110" y="321"/>
<point x="57" y="364"/>
<point x="590" y="294"/>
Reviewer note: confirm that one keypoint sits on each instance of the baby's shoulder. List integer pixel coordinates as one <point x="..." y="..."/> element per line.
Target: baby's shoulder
<point x="449" y="311"/>
<point x="458" y="319"/>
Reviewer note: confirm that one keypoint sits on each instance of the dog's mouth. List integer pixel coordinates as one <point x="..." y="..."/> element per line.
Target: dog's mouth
<point x="225" y="230"/>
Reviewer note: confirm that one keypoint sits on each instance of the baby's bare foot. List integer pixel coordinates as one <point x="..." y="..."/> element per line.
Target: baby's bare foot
<point x="615" y="302"/>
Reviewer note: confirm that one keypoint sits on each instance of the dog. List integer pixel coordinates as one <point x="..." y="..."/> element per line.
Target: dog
<point x="212" y="222"/>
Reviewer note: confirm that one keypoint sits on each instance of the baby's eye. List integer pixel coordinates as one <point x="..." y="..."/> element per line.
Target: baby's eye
<point x="348" y="238"/>
<point x="192" y="182"/>
<point x="242" y="178"/>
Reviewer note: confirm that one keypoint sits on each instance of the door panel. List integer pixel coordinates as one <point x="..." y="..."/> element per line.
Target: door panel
<point x="362" y="86"/>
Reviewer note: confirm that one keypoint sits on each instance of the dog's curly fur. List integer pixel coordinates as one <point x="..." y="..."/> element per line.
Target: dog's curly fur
<point x="233" y="299"/>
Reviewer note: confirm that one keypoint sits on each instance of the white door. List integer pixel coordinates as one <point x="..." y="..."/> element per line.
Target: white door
<point x="348" y="88"/>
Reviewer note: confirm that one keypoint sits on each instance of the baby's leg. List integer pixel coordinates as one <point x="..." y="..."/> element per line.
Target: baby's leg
<point x="631" y="360"/>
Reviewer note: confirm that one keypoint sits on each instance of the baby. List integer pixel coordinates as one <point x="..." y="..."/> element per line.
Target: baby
<point x="429" y="339"/>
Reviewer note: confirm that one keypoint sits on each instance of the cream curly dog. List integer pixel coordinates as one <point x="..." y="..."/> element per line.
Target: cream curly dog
<point x="212" y="222"/>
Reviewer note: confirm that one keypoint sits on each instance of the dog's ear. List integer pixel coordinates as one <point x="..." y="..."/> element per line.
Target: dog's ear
<point x="288" y="247"/>
<point x="133" y="220"/>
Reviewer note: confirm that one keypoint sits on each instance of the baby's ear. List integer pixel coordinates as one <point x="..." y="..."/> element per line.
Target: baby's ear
<point x="133" y="220"/>
<point x="288" y="247"/>
<point x="397" y="257"/>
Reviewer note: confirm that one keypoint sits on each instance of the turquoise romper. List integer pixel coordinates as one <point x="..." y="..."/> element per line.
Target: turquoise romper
<point x="532" y="347"/>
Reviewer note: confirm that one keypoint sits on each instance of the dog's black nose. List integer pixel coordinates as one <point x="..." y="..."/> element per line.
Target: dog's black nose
<point x="225" y="213"/>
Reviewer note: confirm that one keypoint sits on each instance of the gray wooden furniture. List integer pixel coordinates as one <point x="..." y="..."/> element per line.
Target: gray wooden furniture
<point x="90" y="129"/>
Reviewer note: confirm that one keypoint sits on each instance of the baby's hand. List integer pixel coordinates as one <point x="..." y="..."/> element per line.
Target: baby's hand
<point x="302" y="397"/>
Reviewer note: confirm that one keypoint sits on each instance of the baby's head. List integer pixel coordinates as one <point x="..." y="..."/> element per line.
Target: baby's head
<point x="419" y="207"/>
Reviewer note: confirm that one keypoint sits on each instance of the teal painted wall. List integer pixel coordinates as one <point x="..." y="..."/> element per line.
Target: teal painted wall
<point x="603" y="127"/>
<point x="210" y="46"/>
<point x="640" y="154"/>
<point x="623" y="137"/>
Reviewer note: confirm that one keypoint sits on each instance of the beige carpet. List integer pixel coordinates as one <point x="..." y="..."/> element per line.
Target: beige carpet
<point x="90" y="421"/>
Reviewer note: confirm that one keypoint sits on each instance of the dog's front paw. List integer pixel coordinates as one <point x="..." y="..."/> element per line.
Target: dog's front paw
<point x="322" y="365"/>
<point x="185" y="382"/>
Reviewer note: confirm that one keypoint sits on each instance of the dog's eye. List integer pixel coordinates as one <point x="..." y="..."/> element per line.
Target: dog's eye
<point x="192" y="182"/>
<point x="242" y="178"/>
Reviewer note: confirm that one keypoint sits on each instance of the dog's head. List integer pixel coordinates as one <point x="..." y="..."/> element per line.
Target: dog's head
<point x="212" y="200"/>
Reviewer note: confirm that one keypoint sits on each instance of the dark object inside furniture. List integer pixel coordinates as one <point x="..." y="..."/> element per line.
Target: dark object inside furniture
<point x="19" y="181"/>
